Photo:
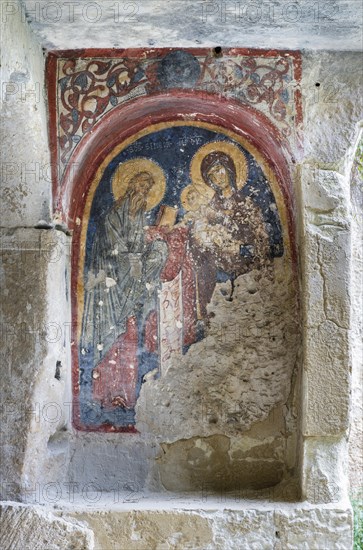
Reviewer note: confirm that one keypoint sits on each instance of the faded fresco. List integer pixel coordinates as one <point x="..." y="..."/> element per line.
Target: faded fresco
<point x="89" y="87"/>
<point x="175" y="213"/>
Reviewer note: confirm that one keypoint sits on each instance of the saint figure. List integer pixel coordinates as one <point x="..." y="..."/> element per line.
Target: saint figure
<point x="121" y="296"/>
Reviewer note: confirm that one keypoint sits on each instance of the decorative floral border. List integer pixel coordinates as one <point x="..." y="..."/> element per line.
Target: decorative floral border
<point x="85" y="85"/>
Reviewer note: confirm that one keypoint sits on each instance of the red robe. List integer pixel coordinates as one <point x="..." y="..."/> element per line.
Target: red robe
<point x="115" y="377"/>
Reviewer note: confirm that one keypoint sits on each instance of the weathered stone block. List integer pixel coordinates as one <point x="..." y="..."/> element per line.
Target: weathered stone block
<point x="25" y="189"/>
<point x="326" y="381"/>
<point x="216" y="526"/>
<point x="314" y="529"/>
<point x="34" y="528"/>
<point x="326" y="302"/>
<point x="324" y="478"/>
<point x="331" y="86"/>
<point x="33" y="340"/>
<point x="209" y="464"/>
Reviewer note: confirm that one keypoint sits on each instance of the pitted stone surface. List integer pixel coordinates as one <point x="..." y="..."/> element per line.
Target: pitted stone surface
<point x="356" y="431"/>
<point x="222" y="528"/>
<point x="33" y="335"/>
<point x="214" y="527"/>
<point x="334" y="25"/>
<point x="34" y="528"/>
<point x="25" y="188"/>
<point x="217" y="463"/>
<point x="22" y="316"/>
<point x="316" y="529"/>
<point x="325" y="476"/>
<point x="246" y="361"/>
<point x="333" y="106"/>
<point x="326" y="300"/>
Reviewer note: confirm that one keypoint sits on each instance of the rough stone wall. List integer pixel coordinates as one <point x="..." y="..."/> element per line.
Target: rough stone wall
<point x="356" y="429"/>
<point x="246" y="363"/>
<point x="177" y="526"/>
<point x="332" y="125"/>
<point x="24" y="527"/>
<point x="25" y="252"/>
<point x="25" y="159"/>
<point x="332" y="119"/>
<point x="33" y="277"/>
<point x="185" y="23"/>
<point x="21" y="352"/>
<point x="282" y="529"/>
<point x="35" y="384"/>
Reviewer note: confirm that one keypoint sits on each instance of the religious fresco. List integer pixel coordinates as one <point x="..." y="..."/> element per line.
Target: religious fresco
<point x="86" y="85"/>
<point x="171" y="214"/>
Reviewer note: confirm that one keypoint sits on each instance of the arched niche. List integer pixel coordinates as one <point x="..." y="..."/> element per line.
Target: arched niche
<point x="221" y="360"/>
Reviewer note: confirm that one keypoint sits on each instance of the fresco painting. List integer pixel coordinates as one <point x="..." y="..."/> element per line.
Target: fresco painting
<point x="94" y="83"/>
<point x="175" y="212"/>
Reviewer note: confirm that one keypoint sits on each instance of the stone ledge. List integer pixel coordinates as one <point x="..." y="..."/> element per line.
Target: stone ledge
<point x="25" y="527"/>
<point x="215" y="525"/>
<point x="177" y="523"/>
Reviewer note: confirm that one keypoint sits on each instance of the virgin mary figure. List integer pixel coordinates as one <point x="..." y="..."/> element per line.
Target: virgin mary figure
<point x="228" y="234"/>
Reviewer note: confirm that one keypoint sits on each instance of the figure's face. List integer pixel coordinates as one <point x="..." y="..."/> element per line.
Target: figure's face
<point x="192" y="196"/>
<point x="219" y="176"/>
<point x="193" y="200"/>
<point x="143" y="183"/>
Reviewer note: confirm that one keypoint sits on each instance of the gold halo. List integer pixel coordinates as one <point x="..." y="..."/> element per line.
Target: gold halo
<point x="127" y="170"/>
<point x="193" y="205"/>
<point x="229" y="149"/>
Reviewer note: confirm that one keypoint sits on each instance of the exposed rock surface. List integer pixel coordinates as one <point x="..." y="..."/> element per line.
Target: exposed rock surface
<point x="34" y="528"/>
<point x="245" y="362"/>
<point x="295" y="25"/>
<point x="221" y="528"/>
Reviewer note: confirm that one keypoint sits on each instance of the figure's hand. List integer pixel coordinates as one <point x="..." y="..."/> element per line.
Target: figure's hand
<point x="135" y="265"/>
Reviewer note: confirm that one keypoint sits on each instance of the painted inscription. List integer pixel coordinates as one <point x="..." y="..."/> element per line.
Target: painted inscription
<point x="174" y="212"/>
